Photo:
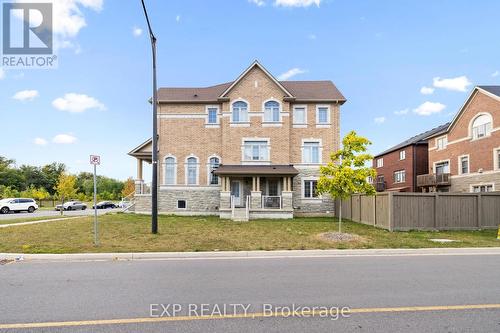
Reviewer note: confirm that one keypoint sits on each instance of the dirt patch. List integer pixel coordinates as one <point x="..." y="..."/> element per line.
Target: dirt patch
<point x="340" y="237"/>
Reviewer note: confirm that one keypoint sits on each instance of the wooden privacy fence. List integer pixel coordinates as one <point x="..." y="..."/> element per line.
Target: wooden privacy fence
<point x="424" y="211"/>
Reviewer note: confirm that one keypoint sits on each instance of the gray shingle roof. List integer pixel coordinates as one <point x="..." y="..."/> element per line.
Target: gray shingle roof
<point x="301" y="90"/>
<point x="495" y="90"/>
<point x="417" y="139"/>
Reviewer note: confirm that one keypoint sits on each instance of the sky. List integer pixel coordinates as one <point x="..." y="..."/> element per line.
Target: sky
<point x="404" y="67"/>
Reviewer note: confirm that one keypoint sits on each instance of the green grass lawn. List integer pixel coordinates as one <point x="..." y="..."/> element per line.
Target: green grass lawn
<point x="131" y="233"/>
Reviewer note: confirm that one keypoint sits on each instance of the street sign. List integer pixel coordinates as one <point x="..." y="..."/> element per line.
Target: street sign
<point x="95" y="160"/>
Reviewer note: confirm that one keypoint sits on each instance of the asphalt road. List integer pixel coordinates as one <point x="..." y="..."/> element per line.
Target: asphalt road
<point x="45" y="213"/>
<point x="83" y="292"/>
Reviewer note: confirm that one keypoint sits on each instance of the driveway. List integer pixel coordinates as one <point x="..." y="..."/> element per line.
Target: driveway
<point x="45" y="213"/>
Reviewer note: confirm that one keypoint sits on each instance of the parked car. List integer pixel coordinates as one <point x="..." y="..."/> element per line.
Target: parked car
<point x="105" y="205"/>
<point x="72" y="205"/>
<point x="17" y="205"/>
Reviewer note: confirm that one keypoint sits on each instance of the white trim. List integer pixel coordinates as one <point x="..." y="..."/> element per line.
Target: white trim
<point x="186" y="176"/>
<point x="299" y="125"/>
<point x="496" y="158"/>
<point x="403" y="171"/>
<point x="280" y="107"/>
<point x="329" y="117"/>
<point x="184" y="187"/>
<point x="320" y="150"/>
<point x="255" y="63"/>
<point x="208" y="170"/>
<point x="381" y="159"/>
<point x="482" y="184"/>
<point x="243" y="161"/>
<point x="272" y="124"/>
<point x="472" y="174"/>
<point x="460" y="164"/>
<point x="302" y="194"/>
<point x="217" y="115"/>
<point x="441" y="137"/>
<point x="177" y="206"/>
<point x="165" y="169"/>
<point x="404" y="153"/>
<point x="441" y="161"/>
<point x="471" y="124"/>
<point x="247" y="120"/>
<point x="183" y="116"/>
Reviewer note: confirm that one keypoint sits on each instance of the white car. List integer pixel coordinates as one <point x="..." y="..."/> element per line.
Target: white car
<point x="17" y="205"/>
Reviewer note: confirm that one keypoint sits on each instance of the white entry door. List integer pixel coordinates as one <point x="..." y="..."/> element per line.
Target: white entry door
<point x="236" y="192"/>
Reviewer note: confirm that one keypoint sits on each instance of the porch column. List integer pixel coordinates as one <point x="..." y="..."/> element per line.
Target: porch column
<point x="255" y="195"/>
<point x="139" y="169"/>
<point x="286" y="194"/>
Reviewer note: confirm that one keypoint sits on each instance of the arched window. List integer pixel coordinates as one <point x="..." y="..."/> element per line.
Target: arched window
<point x="214" y="164"/>
<point x="272" y="111"/>
<point x="170" y="170"/>
<point x="192" y="171"/>
<point x="481" y="126"/>
<point x="240" y="111"/>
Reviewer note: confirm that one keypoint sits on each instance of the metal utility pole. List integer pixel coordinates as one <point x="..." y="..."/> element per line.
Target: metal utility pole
<point x="154" y="157"/>
<point x="95" y="161"/>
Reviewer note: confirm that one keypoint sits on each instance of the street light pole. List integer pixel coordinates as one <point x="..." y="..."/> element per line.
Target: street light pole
<point x="154" y="157"/>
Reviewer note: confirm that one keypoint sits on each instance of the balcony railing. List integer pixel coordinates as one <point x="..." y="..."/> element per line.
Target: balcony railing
<point x="271" y="201"/>
<point x="442" y="179"/>
<point x="380" y="186"/>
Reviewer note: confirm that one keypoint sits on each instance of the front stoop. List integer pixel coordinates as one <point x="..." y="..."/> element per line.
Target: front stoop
<point x="240" y="215"/>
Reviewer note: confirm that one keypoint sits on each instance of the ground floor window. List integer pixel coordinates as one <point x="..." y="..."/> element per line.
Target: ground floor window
<point x="400" y="176"/>
<point x="442" y="167"/>
<point x="310" y="189"/>
<point x="181" y="204"/>
<point x="482" y="188"/>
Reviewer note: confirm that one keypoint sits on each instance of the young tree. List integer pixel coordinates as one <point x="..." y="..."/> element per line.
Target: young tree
<point x="346" y="173"/>
<point x="66" y="187"/>
<point x="128" y="187"/>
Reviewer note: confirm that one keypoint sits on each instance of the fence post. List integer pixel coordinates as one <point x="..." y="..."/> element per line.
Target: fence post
<point x="479" y="210"/>
<point x="375" y="210"/>
<point x="390" y="211"/>
<point x="436" y="209"/>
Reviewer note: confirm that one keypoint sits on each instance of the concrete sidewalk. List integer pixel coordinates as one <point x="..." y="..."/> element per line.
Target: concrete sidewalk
<point x="251" y="254"/>
<point x="39" y="221"/>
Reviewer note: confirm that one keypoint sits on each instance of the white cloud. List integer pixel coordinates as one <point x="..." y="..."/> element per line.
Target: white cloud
<point x="459" y="83"/>
<point x="379" y="120"/>
<point x="69" y="19"/>
<point x="312" y="36"/>
<point x="290" y="73"/>
<point x="77" y="103"/>
<point x="136" y="31"/>
<point x="64" y="139"/>
<point x="428" y="108"/>
<point x="25" y="95"/>
<point x="495" y="73"/>
<point x="297" y="3"/>
<point x="2" y="73"/>
<point x="426" y="90"/>
<point x="259" y="3"/>
<point x="402" y="112"/>
<point x="178" y="18"/>
<point x="40" y="141"/>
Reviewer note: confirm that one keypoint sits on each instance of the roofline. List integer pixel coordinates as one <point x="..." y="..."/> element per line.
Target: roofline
<point x="391" y="150"/>
<point x="139" y="147"/>
<point x="255" y="63"/>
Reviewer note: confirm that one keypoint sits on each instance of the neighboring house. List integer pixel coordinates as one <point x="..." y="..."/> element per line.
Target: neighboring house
<point x="398" y="167"/>
<point x="466" y="157"/>
<point x="249" y="148"/>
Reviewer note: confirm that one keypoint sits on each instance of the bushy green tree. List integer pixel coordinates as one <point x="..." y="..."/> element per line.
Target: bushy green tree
<point x="347" y="173"/>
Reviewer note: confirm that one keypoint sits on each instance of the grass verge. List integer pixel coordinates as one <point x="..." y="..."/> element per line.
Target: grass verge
<point x="131" y="233"/>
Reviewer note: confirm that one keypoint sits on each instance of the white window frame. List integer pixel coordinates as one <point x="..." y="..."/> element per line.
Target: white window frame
<point x="165" y="169"/>
<point x="266" y="161"/>
<point x="496" y="158"/>
<point x="460" y="164"/>
<point x="380" y="162"/>
<point x="442" y="161"/>
<point x="247" y="120"/>
<point x="177" y="204"/>
<point x="303" y="188"/>
<point x="400" y="172"/>
<point x="328" y="116"/>
<point x="299" y="125"/>
<point x="320" y="150"/>
<point x="217" y="117"/>
<point x="186" y="168"/>
<point x="445" y="138"/>
<point x="485" y="184"/>
<point x="280" y="110"/>
<point x="471" y="127"/>
<point x="402" y="153"/>
<point x="209" y="174"/>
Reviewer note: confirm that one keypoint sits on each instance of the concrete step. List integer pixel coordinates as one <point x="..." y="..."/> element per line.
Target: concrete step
<point x="240" y="215"/>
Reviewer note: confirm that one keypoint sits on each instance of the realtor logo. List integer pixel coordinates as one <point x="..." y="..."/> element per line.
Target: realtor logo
<point x="27" y="40"/>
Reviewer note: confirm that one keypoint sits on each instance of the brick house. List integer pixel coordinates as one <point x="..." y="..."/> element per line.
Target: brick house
<point x="466" y="157"/>
<point x="398" y="167"/>
<point x="248" y="148"/>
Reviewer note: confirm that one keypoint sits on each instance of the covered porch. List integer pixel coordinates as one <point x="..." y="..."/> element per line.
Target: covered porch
<point x="256" y="191"/>
<point x="142" y="153"/>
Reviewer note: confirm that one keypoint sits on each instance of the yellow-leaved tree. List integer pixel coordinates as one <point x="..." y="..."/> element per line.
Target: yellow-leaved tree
<point x="66" y="187"/>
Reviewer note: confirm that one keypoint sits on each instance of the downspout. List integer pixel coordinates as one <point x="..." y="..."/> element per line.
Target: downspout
<point x="414" y="178"/>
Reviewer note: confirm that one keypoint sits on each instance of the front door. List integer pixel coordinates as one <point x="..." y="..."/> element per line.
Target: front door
<point x="236" y="192"/>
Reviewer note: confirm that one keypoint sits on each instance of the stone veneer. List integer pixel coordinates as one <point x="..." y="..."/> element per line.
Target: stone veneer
<point x="464" y="183"/>
<point x="309" y="207"/>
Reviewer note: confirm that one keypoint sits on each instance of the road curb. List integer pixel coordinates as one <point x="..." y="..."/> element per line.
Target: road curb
<point x="250" y="254"/>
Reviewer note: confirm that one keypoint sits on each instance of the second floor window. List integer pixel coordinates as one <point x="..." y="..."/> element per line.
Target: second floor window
<point x="380" y="162"/>
<point x="255" y="151"/>
<point x="402" y="154"/>
<point x="497" y="152"/>
<point x="299" y="115"/>
<point x="212" y="115"/>
<point x="464" y="164"/>
<point x="272" y="111"/>
<point x="170" y="171"/>
<point x="442" y="167"/>
<point x="310" y="152"/>
<point x="400" y="176"/>
<point x="323" y="114"/>
<point x="481" y="126"/>
<point x="441" y="143"/>
<point x="240" y="112"/>
<point x="192" y="171"/>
